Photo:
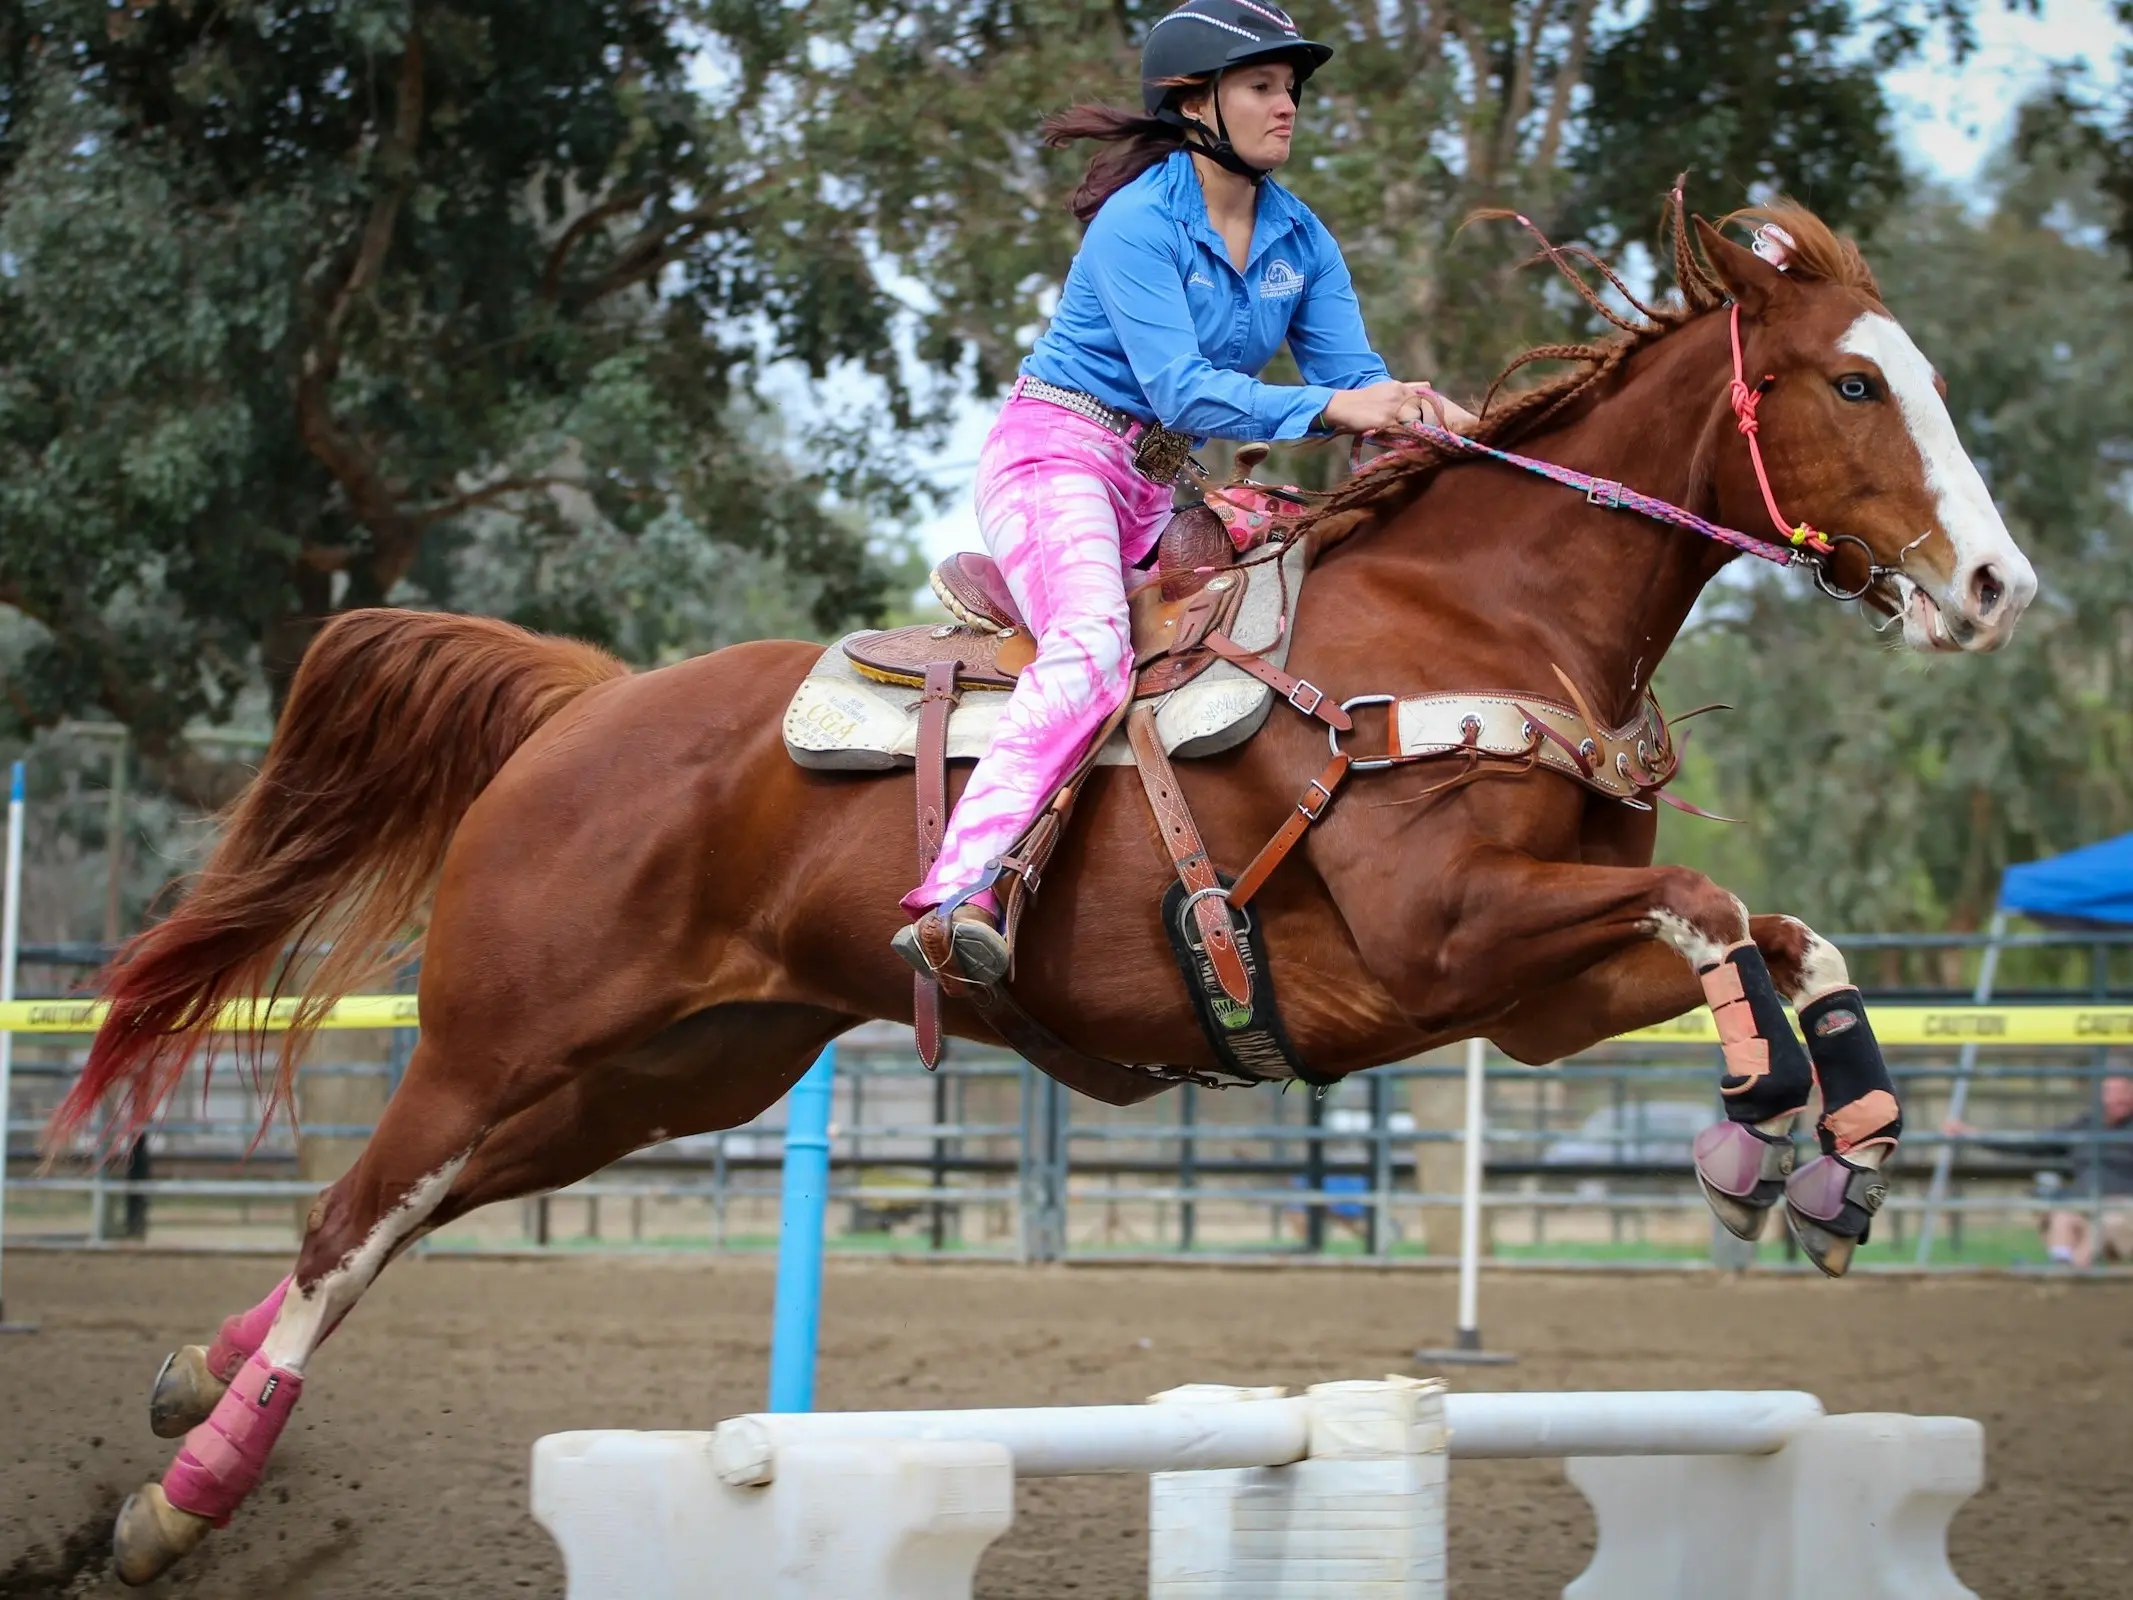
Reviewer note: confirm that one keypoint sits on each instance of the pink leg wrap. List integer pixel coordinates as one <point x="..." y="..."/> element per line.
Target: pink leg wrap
<point x="222" y="1459"/>
<point x="243" y="1334"/>
<point x="1746" y="1051"/>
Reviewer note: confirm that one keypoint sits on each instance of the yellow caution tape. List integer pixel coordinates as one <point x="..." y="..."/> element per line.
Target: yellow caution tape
<point x="86" y="1016"/>
<point x="1912" y="1025"/>
<point x="1997" y="1025"/>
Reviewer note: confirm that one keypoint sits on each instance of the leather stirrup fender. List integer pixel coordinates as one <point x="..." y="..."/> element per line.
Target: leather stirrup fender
<point x="935" y="703"/>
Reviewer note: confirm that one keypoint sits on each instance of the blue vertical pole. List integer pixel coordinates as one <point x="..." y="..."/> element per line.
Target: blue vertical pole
<point x="796" y="1321"/>
<point x="10" y="947"/>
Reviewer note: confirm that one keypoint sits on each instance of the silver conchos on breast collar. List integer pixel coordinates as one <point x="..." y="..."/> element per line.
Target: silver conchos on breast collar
<point x="1630" y="763"/>
<point x="1626" y="763"/>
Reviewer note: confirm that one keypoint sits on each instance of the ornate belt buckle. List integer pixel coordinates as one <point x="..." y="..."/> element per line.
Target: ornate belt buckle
<point x="1160" y="453"/>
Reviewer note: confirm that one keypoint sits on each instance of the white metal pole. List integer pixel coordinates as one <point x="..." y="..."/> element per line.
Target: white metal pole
<point x="1988" y="970"/>
<point x="10" y="943"/>
<point x="1466" y="1338"/>
<point x="1469" y="1335"/>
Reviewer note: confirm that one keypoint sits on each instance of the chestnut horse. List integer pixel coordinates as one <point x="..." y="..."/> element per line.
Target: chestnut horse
<point x="645" y="920"/>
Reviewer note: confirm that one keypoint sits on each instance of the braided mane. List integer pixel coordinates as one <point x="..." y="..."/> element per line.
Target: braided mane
<point x="1387" y="485"/>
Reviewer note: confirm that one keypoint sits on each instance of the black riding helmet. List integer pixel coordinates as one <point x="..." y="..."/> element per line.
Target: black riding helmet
<point x="1204" y="37"/>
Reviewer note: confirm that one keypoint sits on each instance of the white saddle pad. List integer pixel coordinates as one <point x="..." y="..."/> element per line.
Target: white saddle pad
<point x="842" y="721"/>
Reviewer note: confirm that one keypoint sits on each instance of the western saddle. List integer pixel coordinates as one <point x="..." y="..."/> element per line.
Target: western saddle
<point x="1179" y="622"/>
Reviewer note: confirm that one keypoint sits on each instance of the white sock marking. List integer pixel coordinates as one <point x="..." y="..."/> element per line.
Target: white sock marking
<point x="1822" y="968"/>
<point x="1698" y="948"/>
<point x="304" y="1319"/>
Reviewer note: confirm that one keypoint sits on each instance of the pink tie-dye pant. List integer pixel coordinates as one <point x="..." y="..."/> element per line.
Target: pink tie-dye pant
<point x="1066" y="516"/>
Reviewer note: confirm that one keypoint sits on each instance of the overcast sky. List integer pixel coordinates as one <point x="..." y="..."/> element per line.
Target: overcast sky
<point x="1950" y="120"/>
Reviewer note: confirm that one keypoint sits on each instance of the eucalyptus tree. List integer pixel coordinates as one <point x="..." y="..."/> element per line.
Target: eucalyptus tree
<point x="308" y="306"/>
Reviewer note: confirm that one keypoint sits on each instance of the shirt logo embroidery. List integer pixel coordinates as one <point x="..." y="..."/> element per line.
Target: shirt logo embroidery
<point x="1201" y="279"/>
<point x="1280" y="281"/>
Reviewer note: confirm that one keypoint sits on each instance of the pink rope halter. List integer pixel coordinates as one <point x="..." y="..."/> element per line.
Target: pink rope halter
<point x="1745" y="400"/>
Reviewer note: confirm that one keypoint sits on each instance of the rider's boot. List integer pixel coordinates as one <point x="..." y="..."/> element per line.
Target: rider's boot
<point x="966" y="945"/>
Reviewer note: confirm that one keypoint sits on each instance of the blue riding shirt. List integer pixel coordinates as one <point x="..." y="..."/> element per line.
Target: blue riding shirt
<point x="1156" y="321"/>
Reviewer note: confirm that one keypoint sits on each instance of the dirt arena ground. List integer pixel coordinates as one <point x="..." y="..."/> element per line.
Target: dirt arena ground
<point x="404" y="1473"/>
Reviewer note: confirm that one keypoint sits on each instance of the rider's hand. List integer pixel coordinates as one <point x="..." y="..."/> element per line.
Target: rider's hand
<point x="1387" y="404"/>
<point x="1381" y="405"/>
<point x="1444" y="410"/>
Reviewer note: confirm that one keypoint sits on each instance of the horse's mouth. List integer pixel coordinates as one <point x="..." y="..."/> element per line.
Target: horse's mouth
<point x="1925" y="625"/>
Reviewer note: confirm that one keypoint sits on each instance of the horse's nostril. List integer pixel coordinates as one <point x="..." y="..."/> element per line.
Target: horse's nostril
<point x="1987" y="591"/>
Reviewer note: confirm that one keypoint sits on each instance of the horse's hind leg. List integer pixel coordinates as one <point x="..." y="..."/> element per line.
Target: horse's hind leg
<point x="425" y="1138"/>
<point x="421" y="1170"/>
<point x="195" y="1377"/>
<point x="1831" y="1201"/>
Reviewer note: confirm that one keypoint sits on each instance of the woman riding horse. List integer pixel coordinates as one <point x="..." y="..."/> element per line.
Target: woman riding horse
<point x="644" y="919"/>
<point x="1196" y="267"/>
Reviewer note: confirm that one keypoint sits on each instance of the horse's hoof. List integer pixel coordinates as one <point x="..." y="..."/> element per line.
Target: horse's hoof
<point x="1829" y="1206"/>
<point x="1742" y="1173"/>
<point x="151" y="1534"/>
<point x="1830" y="1252"/>
<point x="185" y="1392"/>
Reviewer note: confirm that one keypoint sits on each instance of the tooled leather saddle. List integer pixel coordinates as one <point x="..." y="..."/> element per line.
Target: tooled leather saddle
<point x="1179" y="622"/>
<point x="1194" y="592"/>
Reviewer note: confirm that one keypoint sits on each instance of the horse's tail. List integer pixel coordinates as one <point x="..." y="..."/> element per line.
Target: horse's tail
<point x="396" y="722"/>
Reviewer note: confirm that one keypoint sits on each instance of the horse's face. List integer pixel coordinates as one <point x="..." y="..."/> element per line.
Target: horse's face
<point x="1858" y="439"/>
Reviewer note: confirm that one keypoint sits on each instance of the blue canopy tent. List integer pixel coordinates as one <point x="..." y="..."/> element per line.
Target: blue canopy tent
<point x="2091" y="885"/>
<point x="2087" y="888"/>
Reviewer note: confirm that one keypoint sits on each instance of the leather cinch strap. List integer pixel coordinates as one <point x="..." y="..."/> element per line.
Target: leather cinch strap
<point x="935" y="702"/>
<point x="1181" y="837"/>
<point x="1276" y="850"/>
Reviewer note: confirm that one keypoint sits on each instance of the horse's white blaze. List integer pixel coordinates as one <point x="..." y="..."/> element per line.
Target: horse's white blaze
<point x="1972" y="523"/>
<point x="304" y="1320"/>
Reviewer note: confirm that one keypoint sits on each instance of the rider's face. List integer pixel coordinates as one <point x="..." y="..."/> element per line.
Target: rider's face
<point x="1259" y="105"/>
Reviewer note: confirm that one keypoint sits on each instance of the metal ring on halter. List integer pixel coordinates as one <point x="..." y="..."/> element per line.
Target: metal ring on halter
<point x="1358" y="763"/>
<point x="1821" y="565"/>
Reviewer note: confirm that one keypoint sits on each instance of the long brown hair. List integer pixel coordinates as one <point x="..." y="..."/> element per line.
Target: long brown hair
<point x="1131" y="144"/>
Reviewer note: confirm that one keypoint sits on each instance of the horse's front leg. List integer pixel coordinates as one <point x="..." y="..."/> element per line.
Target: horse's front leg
<point x="1745" y="1163"/>
<point x="1571" y="954"/>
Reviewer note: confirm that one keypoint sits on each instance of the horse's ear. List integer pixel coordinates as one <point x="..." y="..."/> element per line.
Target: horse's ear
<point x="1748" y="278"/>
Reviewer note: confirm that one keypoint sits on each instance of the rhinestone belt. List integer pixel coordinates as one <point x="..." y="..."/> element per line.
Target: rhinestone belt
<point x="1087" y="405"/>
<point x="1160" y="454"/>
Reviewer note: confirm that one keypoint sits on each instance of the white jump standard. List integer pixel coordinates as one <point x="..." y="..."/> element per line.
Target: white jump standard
<point x="1339" y="1492"/>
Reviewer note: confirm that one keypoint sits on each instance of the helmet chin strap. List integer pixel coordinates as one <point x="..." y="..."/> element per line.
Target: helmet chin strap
<point x="1215" y="143"/>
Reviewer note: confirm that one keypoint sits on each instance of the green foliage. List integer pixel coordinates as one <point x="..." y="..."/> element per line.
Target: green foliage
<point x="468" y="303"/>
<point x="1780" y="99"/>
<point x="304" y="307"/>
<point x="1882" y="790"/>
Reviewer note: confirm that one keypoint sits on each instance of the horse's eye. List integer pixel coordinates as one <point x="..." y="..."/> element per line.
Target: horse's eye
<point x="1855" y="387"/>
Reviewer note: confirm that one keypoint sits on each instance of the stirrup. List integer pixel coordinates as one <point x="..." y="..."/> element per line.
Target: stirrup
<point x="976" y="950"/>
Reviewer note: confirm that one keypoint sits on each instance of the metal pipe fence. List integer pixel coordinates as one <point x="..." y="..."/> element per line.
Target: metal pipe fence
<point x="1586" y="1161"/>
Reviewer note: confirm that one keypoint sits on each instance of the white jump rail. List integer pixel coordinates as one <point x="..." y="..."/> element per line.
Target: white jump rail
<point x="1259" y="1495"/>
